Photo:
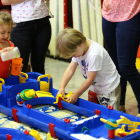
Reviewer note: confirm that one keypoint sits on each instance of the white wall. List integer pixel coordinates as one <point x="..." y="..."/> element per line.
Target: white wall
<point x="85" y="19"/>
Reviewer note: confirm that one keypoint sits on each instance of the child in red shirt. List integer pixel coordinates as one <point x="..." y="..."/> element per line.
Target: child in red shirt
<point x="6" y="24"/>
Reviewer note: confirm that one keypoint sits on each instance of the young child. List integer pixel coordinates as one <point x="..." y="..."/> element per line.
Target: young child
<point x="95" y="64"/>
<point x="6" y="24"/>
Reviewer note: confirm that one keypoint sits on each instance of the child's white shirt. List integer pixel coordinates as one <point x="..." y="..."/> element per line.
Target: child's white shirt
<point x="29" y="10"/>
<point x="97" y="59"/>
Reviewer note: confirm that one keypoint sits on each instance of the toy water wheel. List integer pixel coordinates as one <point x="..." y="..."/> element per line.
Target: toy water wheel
<point x="1" y="83"/>
<point x="44" y="86"/>
<point x="22" y="79"/>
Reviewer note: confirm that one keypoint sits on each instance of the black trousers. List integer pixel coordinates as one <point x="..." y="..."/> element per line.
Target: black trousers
<point x="122" y="41"/>
<point x="32" y="37"/>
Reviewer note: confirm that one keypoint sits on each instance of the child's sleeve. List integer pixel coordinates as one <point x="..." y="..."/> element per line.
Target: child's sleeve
<point x="74" y="59"/>
<point x="11" y="44"/>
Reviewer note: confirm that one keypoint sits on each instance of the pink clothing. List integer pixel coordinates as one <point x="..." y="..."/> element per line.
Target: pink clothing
<point x="5" y="66"/>
<point x="120" y="10"/>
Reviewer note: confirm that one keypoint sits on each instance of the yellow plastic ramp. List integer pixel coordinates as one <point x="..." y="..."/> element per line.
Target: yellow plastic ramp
<point x="35" y="134"/>
<point x="1" y="83"/>
<point x="44" y="86"/>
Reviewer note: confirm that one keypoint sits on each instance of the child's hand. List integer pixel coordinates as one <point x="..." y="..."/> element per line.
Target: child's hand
<point x="73" y="98"/>
<point x="7" y="49"/>
<point x="62" y="91"/>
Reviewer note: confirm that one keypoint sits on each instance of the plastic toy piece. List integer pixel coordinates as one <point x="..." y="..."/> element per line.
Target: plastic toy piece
<point x="44" y="86"/>
<point x="131" y="125"/>
<point x="111" y="134"/>
<point x="49" y="136"/>
<point x="97" y="112"/>
<point x="25" y="95"/>
<point x="60" y="104"/>
<point x="69" y="94"/>
<point x="14" y="111"/>
<point x="51" y="128"/>
<point x="19" y="100"/>
<point x="67" y="120"/>
<point x="111" y="129"/>
<point x="16" y="66"/>
<point x="9" y="137"/>
<point x="57" y="98"/>
<point x="35" y="134"/>
<point x="135" y="130"/>
<point x="64" y="99"/>
<point x="26" y="132"/>
<point x="44" y="94"/>
<point x="2" y="82"/>
<point x="29" y="106"/>
<point x="85" y="130"/>
<point x="14" y="53"/>
<point x="110" y="107"/>
<point x="21" y="78"/>
<point x="120" y="132"/>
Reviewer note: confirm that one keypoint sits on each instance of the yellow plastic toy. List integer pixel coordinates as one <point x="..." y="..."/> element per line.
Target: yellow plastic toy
<point x="1" y="83"/>
<point x="30" y="93"/>
<point x="27" y="94"/>
<point x="131" y="125"/>
<point x="60" y="95"/>
<point x="49" y="136"/>
<point x="22" y="79"/>
<point x="44" y="86"/>
<point x="44" y="94"/>
<point x="35" y="134"/>
<point x="120" y="132"/>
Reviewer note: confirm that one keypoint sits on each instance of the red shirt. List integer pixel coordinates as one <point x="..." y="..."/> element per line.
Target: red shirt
<point x="5" y="65"/>
<point x="120" y="10"/>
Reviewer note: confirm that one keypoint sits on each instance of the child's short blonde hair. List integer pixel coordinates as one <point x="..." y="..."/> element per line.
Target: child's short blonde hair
<point x="5" y="18"/>
<point x="67" y="42"/>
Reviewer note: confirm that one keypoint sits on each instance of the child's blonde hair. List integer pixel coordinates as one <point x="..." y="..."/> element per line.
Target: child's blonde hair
<point x="5" y="18"/>
<point x="68" y="41"/>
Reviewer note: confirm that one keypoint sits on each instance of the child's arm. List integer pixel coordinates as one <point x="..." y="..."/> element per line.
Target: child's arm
<point x="66" y="77"/>
<point x="87" y="83"/>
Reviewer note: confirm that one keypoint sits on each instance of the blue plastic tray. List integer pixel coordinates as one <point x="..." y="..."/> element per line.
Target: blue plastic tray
<point x="16" y="134"/>
<point x="62" y="129"/>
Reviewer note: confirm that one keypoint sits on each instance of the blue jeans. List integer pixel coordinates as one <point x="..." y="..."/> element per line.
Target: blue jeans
<point x="122" y="40"/>
<point x="33" y="37"/>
